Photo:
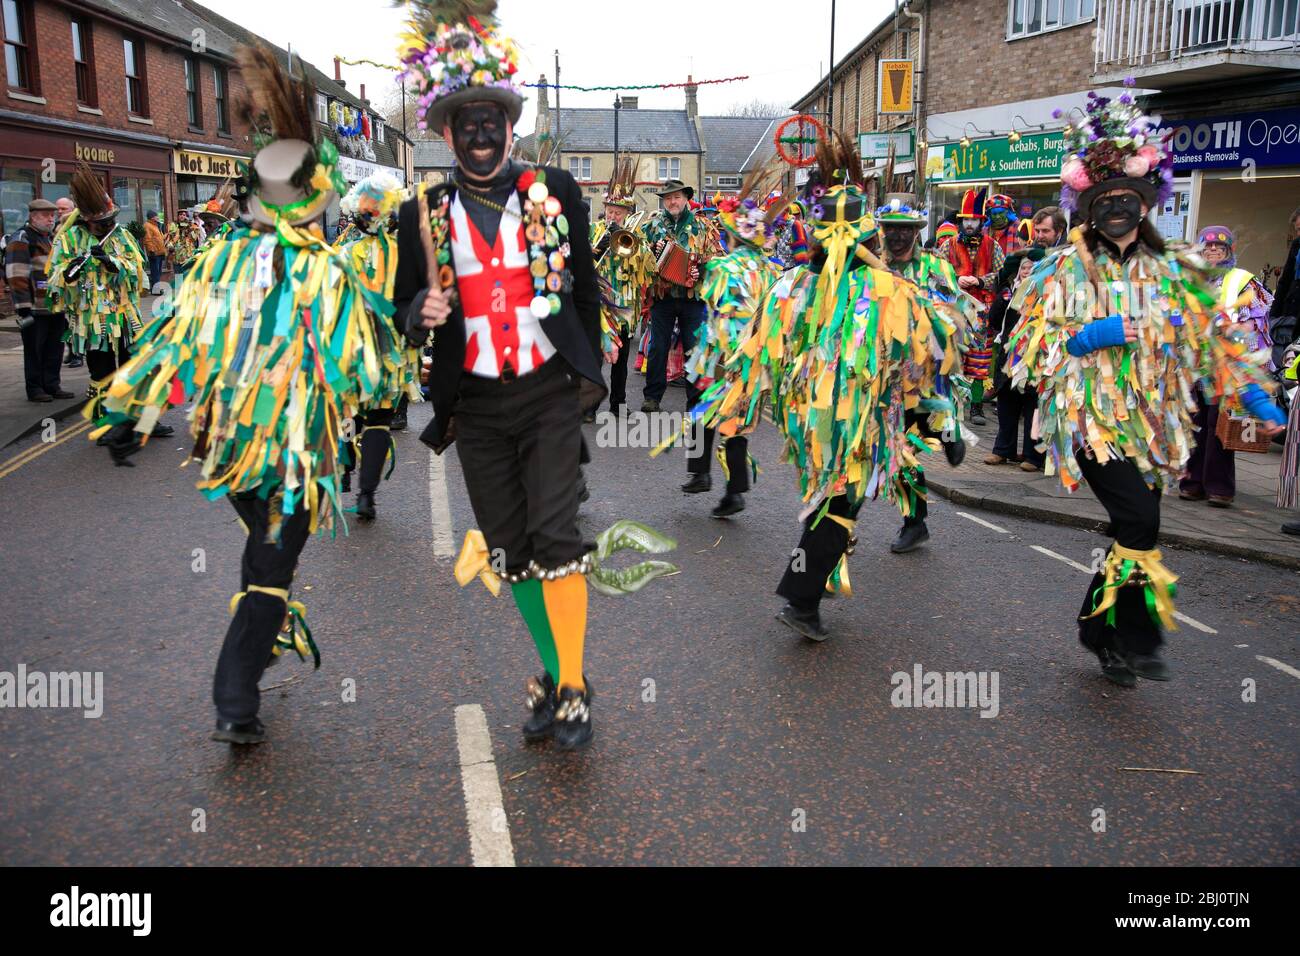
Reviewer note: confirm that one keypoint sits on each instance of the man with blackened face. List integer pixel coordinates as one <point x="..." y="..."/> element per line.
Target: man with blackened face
<point x="496" y="265"/>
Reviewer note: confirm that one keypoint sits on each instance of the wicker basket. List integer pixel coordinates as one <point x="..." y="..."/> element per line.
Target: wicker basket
<point x="1229" y="431"/>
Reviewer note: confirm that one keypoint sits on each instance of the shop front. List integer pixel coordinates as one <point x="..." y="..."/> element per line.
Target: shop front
<point x="1026" y="167"/>
<point x="200" y="173"/>
<point x="1243" y="172"/>
<point x="37" y="160"/>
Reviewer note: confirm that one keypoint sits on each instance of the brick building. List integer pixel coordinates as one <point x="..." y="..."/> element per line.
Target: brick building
<point x="147" y="92"/>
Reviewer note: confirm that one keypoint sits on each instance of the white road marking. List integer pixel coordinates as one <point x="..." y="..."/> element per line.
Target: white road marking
<point x="1284" y="668"/>
<point x="991" y="527"/>
<point x="489" y="829"/>
<point x="1060" y="557"/>
<point x="443" y="546"/>
<point x="1178" y="615"/>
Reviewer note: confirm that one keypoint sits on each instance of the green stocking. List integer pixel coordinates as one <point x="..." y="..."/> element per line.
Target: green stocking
<point x="532" y="607"/>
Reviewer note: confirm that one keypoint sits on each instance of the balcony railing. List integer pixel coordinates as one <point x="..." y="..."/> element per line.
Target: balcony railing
<point x="1135" y="33"/>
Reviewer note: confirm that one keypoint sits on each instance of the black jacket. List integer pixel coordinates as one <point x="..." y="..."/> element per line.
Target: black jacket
<point x="574" y="330"/>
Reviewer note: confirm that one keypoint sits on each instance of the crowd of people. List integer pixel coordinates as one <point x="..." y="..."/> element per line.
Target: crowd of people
<point x="297" y="356"/>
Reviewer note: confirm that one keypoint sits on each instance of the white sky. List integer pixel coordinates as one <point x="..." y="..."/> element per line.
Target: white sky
<point x="782" y="45"/>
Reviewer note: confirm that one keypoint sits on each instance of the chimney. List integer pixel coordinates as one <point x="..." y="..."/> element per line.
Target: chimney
<point x="363" y="94"/>
<point x="692" y="104"/>
<point x="630" y="102"/>
<point x="338" y="70"/>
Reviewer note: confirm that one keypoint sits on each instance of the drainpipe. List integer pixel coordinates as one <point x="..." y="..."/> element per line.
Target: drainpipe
<point x="918" y="95"/>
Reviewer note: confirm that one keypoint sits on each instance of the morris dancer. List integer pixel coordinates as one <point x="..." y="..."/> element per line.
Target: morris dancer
<point x="1117" y="370"/>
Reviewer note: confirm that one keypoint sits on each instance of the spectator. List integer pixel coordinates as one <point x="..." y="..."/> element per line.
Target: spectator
<point x="1212" y="469"/>
<point x="26" y="258"/>
<point x="65" y="207"/>
<point x="1049" y="227"/>
<point x="1015" y="408"/>
<point x="1286" y="299"/>
<point x="155" y="248"/>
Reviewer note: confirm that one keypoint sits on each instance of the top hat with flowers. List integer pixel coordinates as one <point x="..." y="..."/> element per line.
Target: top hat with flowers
<point x="834" y="192"/>
<point x="901" y="209"/>
<point x="750" y="215"/>
<point x="452" y="53"/>
<point x="1114" y="146"/>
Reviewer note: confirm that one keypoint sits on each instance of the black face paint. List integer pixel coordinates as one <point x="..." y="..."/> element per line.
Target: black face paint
<point x="478" y="134"/>
<point x="1117" y="215"/>
<point x="899" y="241"/>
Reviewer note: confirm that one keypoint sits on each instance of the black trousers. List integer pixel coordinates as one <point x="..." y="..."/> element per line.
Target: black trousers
<point x="258" y="617"/>
<point x="43" y="353"/>
<point x="687" y="315"/>
<point x="372" y="445"/>
<point x="618" y="373"/>
<point x="819" y="551"/>
<point x="1016" y="415"/>
<point x="1134" y="510"/>
<point x="101" y="363"/>
<point x="519" y="443"/>
<point x="736" y="450"/>
<point x="922" y="510"/>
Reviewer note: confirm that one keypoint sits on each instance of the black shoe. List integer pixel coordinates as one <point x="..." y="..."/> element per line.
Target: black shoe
<point x="807" y="623"/>
<point x="910" y="537"/>
<point x="573" y="727"/>
<point x="542" y="704"/>
<point x="584" y="493"/>
<point x="365" y="506"/>
<point x="398" y="423"/>
<point x="249" y="732"/>
<point x="588" y="417"/>
<point x="698" y="484"/>
<point x="1147" y="666"/>
<point x="1113" y="666"/>
<point x="39" y="397"/>
<point x="731" y="504"/>
<point x="162" y="431"/>
<point x="1291" y="527"/>
<point x="955" y="452"/>
<point x="346" y="484"/>
<point x="75" y="362"/>
<point x="62" y="394"/>
<point x="977" y="415"/>
<point x="649" y="405"/>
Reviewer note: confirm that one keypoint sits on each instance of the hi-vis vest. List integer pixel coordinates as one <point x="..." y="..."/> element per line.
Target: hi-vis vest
<point x="1234" y="284"/>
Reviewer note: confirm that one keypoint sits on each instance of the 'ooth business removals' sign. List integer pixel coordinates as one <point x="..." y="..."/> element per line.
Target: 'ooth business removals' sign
<point x="1269" y="138"/>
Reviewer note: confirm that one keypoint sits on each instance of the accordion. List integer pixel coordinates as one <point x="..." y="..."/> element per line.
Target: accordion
<point x="674" y="264"/>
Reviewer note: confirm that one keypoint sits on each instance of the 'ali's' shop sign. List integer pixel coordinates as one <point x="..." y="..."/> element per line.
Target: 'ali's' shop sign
<point x="1269" y="138"/>
<point x="219" y="165"/>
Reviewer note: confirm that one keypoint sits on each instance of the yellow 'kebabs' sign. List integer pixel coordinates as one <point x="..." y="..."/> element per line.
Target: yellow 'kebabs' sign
<point x="894" y="87"/>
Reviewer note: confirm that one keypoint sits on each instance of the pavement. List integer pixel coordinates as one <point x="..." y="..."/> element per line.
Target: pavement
<point x="1249" y="529"/>
<point x="721" y="737"/>
<point x="20" y="417"/>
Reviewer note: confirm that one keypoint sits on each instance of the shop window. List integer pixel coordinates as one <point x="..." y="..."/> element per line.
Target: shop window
<point x="17" y="189"/>
<point x="1028" y="17"/>
<point x="151" y="197"/>
<point x="219" y="81"/>
<point x="192" y="93"/>
<point x="83" y="58"/>
<point x="137" y="100"/>
<point x="20" y="53"/>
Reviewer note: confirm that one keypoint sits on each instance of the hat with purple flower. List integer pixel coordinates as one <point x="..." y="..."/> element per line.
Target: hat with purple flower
<point x="1114" y="146"/>
<point x="452" y="54"/>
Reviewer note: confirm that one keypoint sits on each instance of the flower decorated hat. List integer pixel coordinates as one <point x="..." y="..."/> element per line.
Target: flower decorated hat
<point x="1115" y="146"/>
<point x="452" y="53"/>
<point x="835" y="192"/>
<point x="293" y="177"/>
<point x="901" y="208"/>
<point x="751" y="214"/>
<point x="370" y="201"/>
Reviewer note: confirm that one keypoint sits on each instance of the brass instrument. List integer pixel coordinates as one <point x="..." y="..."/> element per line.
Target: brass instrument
<point x="623" y="241"/>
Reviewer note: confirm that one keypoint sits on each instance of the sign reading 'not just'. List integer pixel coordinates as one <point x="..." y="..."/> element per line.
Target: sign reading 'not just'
<point x="189" y="163"/>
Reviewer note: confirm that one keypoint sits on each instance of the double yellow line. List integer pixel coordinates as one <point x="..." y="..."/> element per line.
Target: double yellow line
<point x="31" y="454"/>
